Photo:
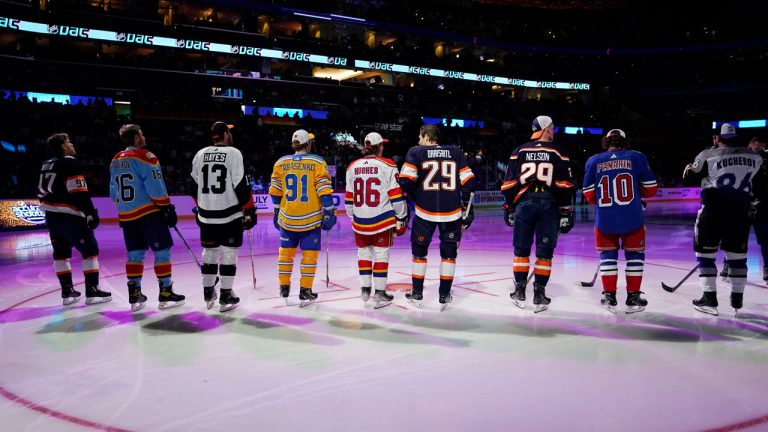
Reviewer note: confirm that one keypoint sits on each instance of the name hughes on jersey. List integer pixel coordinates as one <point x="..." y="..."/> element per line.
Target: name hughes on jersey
<point x="366" y="170"/>
<point x="734" y="161"/>
<point x="614" y="164"/>
<point x="289" y="166"/>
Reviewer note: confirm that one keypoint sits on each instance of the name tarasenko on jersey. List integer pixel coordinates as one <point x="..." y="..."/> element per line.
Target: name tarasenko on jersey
<point x="291" y="165"/>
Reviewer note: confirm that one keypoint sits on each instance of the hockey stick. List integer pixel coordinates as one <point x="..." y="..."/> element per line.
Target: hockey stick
<point x="327" y="259"/>
<point x="464" y="215"/>
<point x="668" y="288"/>
<point x="194" y="257"/>
<point x="594" y="279"/>
<point x="250" y="252"/>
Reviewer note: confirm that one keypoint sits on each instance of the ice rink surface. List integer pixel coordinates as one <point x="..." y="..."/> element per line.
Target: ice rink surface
<point x="338" y="365"/>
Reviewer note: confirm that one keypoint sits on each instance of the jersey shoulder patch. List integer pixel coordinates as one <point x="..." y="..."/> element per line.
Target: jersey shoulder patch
<point x="387" y="161"/>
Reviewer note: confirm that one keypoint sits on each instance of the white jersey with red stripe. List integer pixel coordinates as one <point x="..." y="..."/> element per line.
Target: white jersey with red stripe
<point x="438" y="179"/>
<point x="373" y="197"/>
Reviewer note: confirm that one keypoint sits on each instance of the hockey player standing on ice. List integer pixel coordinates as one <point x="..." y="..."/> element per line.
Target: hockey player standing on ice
<point x="439" y="181"/>
<point x="616" y="181"/>
<point x="725" y="174"/>
<point x="145" y="213"/>
<point x="374" y="202"/>
<point x="538" y="192"/>
<point x="224" y="209"/>
<point x="303" y="198"/>
<point x="71" y="218"/>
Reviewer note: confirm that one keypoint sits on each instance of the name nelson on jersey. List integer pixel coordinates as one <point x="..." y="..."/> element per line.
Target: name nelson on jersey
<point x="537" y="156"/>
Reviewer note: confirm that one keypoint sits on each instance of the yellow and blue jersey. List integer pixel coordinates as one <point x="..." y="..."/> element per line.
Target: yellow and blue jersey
<point x="298" y="184"/>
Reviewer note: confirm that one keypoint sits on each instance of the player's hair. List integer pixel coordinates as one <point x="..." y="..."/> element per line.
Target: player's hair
<point x="370" y="149"/>
<point x="431" y="131"/>
<point x="297" y="145"/>
<point x="54" y="143"/>
<point x="759" y="138"/>
<point x="128" y="132"/>
<point x="615" y="141"/>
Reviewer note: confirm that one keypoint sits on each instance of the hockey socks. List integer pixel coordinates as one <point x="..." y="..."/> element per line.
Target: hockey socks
<point x="134" y="268"/>
<point x="737" y="270"/>
<point x="447" y="270"/>
<point x="285" y="265"/>
<point x="163" y="266"/>
<point x="634" y="270"/>
<point x="609" y="270"/>
<point x="419" y="269"/>
<point x="365" y="265"/>
<point x="707" y="271"/>
<point x="63" y="271"/>
<point x="542" y="269"/>
<point x="520" y="267"/>
<point x="308" y="268"/>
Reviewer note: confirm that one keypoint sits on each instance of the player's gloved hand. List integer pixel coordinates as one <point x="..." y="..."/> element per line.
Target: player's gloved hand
<point x="644" y="204"/>
<point x="566" y="219"/>
<point x="168" y="214"/>
<point x="249" y="218"/>
<point x="274" y="219"/>
<point x="509" y="215"/>
<point x="92" y="219"/>
<point x="467" y="216"/>
<point x="402" y="226"/>
<point x="329" y="219"/>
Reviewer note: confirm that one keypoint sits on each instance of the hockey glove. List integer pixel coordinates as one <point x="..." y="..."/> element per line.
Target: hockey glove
<point x="249" y="218"/>
<point x="509" y="215"/>
<point x="402" y="226"/>
<point x="329" y="219"/>
<point x="566" y="219"/>
<point x="467" y="216"/>
<point x="92" y="219"/>
<point x="168" y="214"/>
<point x="274" y="219"/>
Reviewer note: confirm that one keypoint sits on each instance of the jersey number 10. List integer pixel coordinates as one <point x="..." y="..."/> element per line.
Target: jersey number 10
<point x="622" y="192"/>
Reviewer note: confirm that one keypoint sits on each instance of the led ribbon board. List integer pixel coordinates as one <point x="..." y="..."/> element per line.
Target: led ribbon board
<point x="188" y="44"/>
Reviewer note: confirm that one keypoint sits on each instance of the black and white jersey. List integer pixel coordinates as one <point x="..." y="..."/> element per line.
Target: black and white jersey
<point x="725" y="172"/>
<point x="438" y="179"/>
<point x="220" y="187"/>
<point x="62" y="188"/>
<point x="538" y="169"/>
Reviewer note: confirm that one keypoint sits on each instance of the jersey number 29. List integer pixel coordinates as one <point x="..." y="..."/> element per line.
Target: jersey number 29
<point x="447" y="169"/>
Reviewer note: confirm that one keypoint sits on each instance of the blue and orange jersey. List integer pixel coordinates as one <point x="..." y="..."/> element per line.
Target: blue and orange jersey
<point x="438" y="179"/>
<point x="136" y="184"/>
<point x="300" y="185"/>
<point x="373" y="198"/>
<point x="62" y="187"/>
<point x="538" y="169"/>
<point x="616" y="181"/>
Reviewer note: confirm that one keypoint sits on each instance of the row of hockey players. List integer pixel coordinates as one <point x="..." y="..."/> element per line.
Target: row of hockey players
<point x="538" y="190"/>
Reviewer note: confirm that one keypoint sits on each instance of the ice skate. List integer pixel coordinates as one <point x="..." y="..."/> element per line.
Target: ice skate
<point x="635" y="303"/>
<point x="209" y="294"/>
<point x="518" y="295"/>
<point x="285" y="291"/>
<point x="444" y="300"/>
<point x="135" y="297"/>
<point x="540" y="300"/>
<point x="382" y="299"/>
<point x="609" y="301"/>
<point x="415" y="299"/>
<point x="707" y="303"/>
<point x="169" y="299"/>
<point x="228" y="300"/>
<point x="365" y="293"/>
<point x="306" y="297"/>
<point x="69" y="295"/>
<point x="93" y="295"/>
<point x="737" y="301"/>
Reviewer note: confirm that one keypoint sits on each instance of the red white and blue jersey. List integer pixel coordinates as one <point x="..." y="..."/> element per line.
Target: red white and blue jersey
<point x="373" y="198"/>
<point x="538" y="169"/>
<point x="438" y="179"/>
<point x="616" y="181"/>
<point x="136" y="184"/>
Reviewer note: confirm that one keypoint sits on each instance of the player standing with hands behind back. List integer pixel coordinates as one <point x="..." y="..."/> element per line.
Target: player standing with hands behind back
<point x="374" y="202"/>
<point x="538" y="192"/>
<point x="725" y="174"/>
<point x="438" y="179"/>
<point x="224" y="209"/>
<point x="616" y="180"/>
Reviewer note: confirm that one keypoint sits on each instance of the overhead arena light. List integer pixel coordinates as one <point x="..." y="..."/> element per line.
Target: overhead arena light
<point x="336" y="74"/>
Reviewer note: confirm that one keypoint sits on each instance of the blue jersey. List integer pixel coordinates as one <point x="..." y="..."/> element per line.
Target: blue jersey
<point x="616" y="181"/>
<point x="136" y="184"/>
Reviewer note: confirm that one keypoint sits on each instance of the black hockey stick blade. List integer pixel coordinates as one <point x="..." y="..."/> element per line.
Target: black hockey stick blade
<point x="668" y="288"/>
<point x="594" y="279"/>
